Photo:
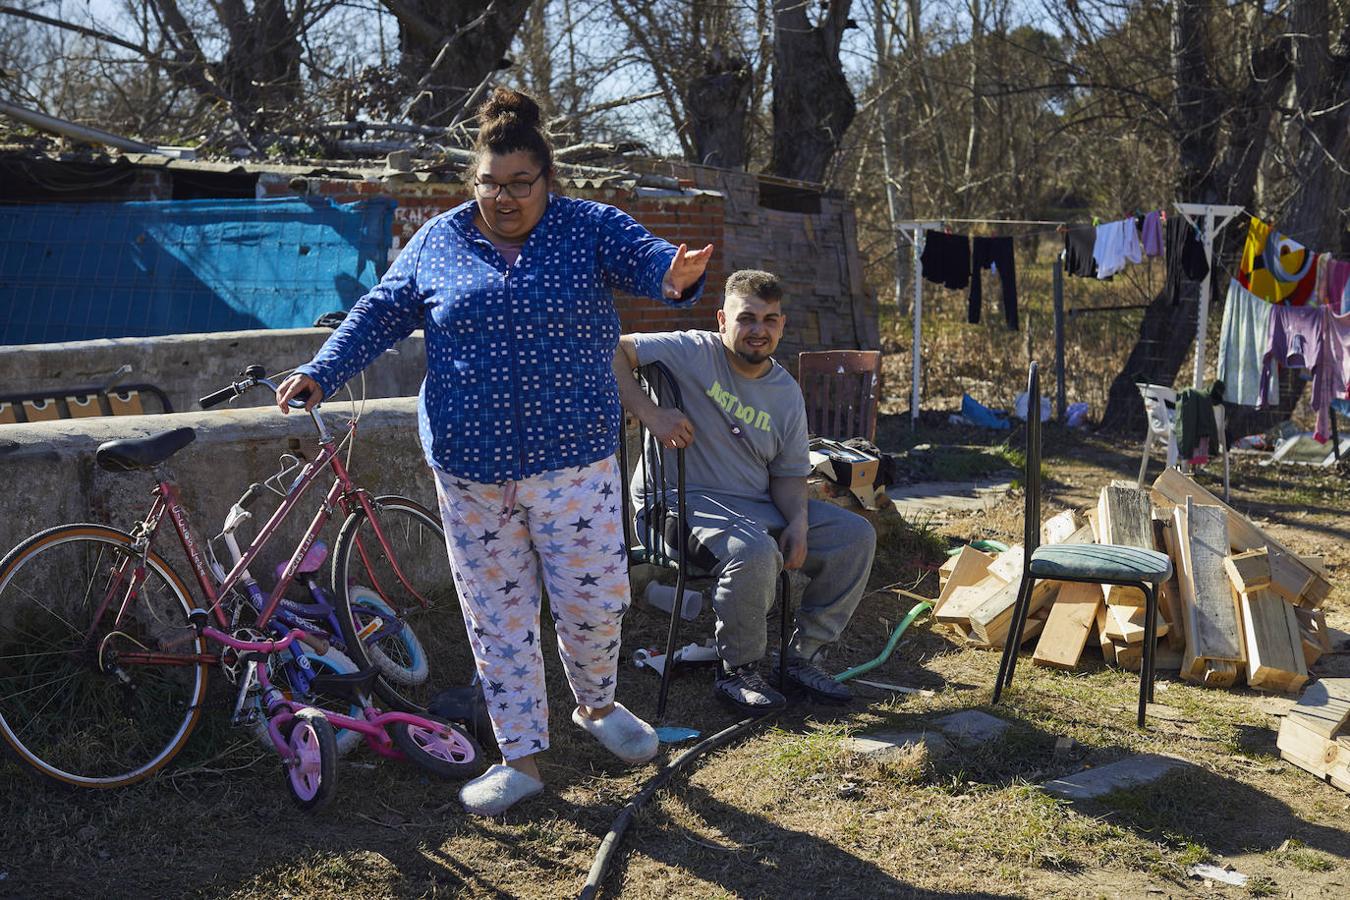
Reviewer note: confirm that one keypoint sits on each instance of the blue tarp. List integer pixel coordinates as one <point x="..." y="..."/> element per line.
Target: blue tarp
<point x="74" y="271"/>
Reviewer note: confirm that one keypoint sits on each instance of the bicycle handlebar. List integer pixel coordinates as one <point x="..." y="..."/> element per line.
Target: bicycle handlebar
<point x="253" y="377"/>
<point x="218" y="397"/>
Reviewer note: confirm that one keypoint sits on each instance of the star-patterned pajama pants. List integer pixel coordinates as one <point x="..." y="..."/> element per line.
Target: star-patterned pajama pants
<point x="563" y="533"/>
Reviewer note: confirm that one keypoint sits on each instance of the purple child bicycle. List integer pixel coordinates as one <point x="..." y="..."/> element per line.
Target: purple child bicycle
<point x="104" y="655"/>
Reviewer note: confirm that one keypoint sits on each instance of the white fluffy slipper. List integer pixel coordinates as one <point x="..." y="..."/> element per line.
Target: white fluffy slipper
<point x="623" y="734"/>
<point x="497" y="790"/>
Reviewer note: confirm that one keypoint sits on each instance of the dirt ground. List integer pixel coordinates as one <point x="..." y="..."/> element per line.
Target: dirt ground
<point x="788" y="811"/>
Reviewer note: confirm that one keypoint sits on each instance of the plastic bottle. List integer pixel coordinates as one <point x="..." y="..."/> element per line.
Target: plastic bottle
<point x="662" y="596"/>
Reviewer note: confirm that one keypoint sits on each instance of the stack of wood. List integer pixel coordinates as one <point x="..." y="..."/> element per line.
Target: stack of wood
<point x="1238" y="604"/>
<point x="1314" y="737"/>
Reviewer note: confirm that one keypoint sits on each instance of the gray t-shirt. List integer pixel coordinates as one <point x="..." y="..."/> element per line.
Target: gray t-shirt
<point x="745" y="429"/>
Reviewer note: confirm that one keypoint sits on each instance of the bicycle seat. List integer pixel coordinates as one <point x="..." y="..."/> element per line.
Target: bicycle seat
<point x="312" y="562"/>
<point x="345" y="685"/>
<point x="130" y="454"/>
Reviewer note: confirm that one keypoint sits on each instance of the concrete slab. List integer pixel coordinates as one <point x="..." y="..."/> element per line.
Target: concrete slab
<point x="1131" y="771"/>
<point x="971" y="726"/>
<point x="885" y="742"/>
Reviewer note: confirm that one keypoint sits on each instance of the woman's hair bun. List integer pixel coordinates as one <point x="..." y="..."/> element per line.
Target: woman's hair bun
<point x="508" y="121"/>
<point x="505" y="108"/>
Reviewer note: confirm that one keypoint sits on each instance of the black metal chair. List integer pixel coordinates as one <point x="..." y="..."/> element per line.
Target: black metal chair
<point x="656" y="533"/>
<point x="1089" y="563"/>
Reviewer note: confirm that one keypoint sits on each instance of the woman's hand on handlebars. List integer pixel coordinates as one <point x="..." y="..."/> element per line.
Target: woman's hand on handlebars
<point x="297" y="386"/>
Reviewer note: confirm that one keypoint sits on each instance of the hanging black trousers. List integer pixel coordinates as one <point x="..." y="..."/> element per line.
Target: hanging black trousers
<point x="995" y="253"/>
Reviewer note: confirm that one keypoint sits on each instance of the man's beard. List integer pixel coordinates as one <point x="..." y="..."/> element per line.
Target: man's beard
<point x="753" y="357"/>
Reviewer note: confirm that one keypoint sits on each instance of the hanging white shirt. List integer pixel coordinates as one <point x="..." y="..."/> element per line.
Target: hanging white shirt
<point x="1117" y="244"/>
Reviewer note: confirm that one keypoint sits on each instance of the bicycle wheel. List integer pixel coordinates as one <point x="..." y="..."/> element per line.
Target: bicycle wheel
<point x="411" y="576"/>
<point x="311" y="777"/>
<point x="405" y="662"/>
<point x="449" y="753"/>
<point x="74" y="706"/>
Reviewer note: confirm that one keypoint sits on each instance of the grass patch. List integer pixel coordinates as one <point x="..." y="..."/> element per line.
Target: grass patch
<point x="1295" y="854"/>
<point x="799" y="756"/>
<point x="1262" y="886"/>
<point x="955" y="462"/>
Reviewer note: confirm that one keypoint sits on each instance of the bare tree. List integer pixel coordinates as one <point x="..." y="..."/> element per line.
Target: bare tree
<point x="448" y="51"/>
<point x="813" y="104"/>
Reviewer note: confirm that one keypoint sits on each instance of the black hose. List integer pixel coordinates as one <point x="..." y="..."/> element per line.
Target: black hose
<point x="610" y="844"/>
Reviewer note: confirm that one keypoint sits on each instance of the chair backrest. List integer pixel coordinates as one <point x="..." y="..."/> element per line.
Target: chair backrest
<point x="842" y="389"/>
<point x="1159" y="401"/>
<point x="660" y="472"/>
<point x="1031" y="477"/>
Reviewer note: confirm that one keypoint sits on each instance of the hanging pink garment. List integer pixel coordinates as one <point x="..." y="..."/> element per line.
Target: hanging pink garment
<point x="1338" y="278"/>
<point x="1298" y="340"/>
<point x="1338" y="341"/>
<point x="1152" y="234"/>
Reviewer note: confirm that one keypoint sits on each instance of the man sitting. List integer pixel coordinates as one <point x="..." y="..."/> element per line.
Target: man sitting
<point x="746" y="461"/>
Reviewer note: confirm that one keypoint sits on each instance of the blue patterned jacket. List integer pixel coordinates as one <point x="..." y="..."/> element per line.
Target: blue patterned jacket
<point x="520" y="375"/>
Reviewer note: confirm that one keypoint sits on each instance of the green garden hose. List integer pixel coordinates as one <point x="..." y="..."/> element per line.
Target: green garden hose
<point x="918" y="609"/>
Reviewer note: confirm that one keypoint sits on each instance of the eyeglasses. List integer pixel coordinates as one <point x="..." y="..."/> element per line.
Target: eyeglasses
<point x="517" y="189"/>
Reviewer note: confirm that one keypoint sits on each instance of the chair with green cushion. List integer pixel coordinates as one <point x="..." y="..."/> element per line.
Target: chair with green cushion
<point x="1090" y="563"/>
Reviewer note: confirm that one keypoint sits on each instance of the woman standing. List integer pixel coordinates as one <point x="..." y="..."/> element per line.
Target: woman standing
<point x="520" y="418"/>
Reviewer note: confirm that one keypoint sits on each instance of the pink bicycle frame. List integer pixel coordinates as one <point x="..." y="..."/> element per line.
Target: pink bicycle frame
<point x="280" y="711"/>
<point x="343" y="494"/>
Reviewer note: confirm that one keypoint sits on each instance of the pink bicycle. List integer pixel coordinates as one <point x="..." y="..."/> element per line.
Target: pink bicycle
<point x="104" y="656"/>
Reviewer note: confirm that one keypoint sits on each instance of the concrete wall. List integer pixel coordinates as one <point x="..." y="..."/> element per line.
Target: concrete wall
<point x="190" y="366"/>
<point x="51" y="478"/>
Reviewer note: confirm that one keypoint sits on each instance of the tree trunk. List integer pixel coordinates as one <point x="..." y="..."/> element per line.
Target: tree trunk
<point x="474" y="35"/>
<point x="1208" y="172"/>
<point x="717" y="102"/>
<point x="812" y="103"/>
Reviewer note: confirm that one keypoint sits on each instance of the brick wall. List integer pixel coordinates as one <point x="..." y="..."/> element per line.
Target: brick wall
<point x="816" y="254"/>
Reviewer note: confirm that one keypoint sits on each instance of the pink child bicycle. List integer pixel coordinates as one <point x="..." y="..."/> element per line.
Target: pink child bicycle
<point x="104" y="656"/>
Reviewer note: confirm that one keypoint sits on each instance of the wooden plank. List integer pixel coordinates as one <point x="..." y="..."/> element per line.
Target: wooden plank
<point x="1126" y="623"/>
<point x="1107" y="645"/>
<point x="1242" y="534"/>
<point x="8" y="415"/>
<point x="991" y="620"/>
<point x="968" y="567"/>
<point x="1169" y="592"/>
<point x="1057" y="528"/>
<point x="964" y="599"/>
<point x="1309" y="750"/>
<point x="1248" y="571"/>
<point x="1313" y="633"/>
<point x="1217" y="673"/>
<point x="1210" y="612"/>
<point x="1324" y="706"/>
<point x="1124" y="516"/>
<point x="1130" y="656"/>
<point x="1293" y="581"/>
<point x="1274" y="648"/>
<point x="1008" y="565"/>
<point x="1068" y="625"/>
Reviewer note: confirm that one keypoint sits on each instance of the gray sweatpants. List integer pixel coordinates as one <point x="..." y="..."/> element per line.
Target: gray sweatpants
<point x="741" y="536"/>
